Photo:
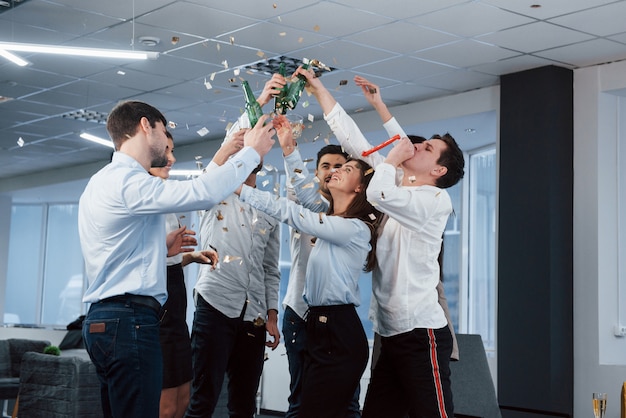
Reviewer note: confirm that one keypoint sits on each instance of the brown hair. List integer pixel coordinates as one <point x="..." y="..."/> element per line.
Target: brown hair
<point x="361" y="209"/>
<point x="123" y="121"/>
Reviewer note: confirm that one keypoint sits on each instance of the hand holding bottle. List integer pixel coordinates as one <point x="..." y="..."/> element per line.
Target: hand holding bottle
<point x="260" y="137"/>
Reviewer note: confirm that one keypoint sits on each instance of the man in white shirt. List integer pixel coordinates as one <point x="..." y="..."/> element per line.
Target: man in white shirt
<point x="121" y="223"/>
<point x="412" y="374"/>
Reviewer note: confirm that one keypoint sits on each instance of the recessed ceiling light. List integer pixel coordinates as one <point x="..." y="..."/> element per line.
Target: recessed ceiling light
<point x="149" y="40"/>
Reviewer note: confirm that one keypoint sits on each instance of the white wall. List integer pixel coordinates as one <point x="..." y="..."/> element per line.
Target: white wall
<point x="599" y="356"/>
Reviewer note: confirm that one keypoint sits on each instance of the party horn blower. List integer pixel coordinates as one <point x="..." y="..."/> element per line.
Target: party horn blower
<point x="380" y="146"/>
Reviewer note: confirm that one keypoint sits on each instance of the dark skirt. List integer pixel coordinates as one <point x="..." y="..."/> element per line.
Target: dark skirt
<point x="175" y="340"/>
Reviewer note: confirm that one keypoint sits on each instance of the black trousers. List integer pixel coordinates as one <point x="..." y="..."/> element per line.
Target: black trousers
<point x="224" y="345"/>
<point x="335" y="358"/>
<point x="412" y="376"/>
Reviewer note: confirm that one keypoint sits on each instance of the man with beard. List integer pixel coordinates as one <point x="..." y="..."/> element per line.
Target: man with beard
<point x="121" y="222"/>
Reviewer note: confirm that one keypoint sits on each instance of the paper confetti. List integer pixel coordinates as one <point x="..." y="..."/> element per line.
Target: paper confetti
<point x="202" y="131"/>
<point x="171" y="124"/>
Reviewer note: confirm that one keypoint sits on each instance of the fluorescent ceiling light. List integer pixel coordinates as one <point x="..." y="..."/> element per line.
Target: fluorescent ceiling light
<point x="13" y="58"/>
<point x="82" y="52"/>
<point x="97" y="139"/>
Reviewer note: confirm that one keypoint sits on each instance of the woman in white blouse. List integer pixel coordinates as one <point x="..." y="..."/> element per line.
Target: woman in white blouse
<point x="337" y="347"/>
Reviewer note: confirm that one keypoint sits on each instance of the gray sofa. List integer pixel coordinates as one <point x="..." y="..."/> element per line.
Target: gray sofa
<point x="11" y="353"/>
<point x="65" y="386"/>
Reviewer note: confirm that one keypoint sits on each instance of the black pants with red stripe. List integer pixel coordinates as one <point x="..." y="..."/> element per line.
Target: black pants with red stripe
<point x="412" y="376"/>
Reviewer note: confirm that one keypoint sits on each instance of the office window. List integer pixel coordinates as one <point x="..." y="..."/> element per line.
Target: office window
<point x="24" y="266"/>
<point x="481" y="291"/>
<point x="45" y="271"/>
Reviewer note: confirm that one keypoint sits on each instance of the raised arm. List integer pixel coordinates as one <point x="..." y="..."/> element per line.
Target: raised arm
<point x="343" y="126"/>
<point x="335" y="229"/>
<point x="300" y="180"/>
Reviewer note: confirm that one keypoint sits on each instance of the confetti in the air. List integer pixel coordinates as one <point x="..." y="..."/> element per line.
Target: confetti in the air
<point x="172" y="124"/>
<point x="203" y="131"/>
<point x="175" y="40"/>
<point x="230" y="258"/>
<point x="225" y="64"/>
<point x="207" y="84"/>
<point x="372" y="216"/>
<point x="20" y="141"/>
<point x="343" y="82"/>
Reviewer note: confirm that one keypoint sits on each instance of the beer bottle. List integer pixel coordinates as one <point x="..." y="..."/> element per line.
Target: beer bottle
<point x="253" y="108"/>
<point x="279" y="99"/>
<point x="295" y="90"/>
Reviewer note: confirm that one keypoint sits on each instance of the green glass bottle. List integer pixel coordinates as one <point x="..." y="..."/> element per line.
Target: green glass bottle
<point x="253" y="108"/>
<point x="295" y="90"/>
<point x="279" y="99"/>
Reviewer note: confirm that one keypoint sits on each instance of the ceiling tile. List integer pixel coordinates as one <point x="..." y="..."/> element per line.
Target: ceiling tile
<point x="405" y="37"/>
<point x="471" y="19"/>
<point x="405" y="68"/>
<point x="597" y="21"/>
<point x="587" y="53"/>
<point x="330" y="19"/>
<point x="406" y="10"/>
<point x="534" y="37"/>
<point x="465" y="53"/>
<point x="512" y="65"/>
<point x="343" y="54"/>
<point x="548" y="9"/>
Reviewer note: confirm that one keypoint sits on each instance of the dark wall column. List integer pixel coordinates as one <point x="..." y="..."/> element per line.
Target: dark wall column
<point x="535" y="266"/>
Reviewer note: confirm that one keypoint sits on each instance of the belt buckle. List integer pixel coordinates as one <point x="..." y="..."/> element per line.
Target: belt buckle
<point x="259" y="321"/>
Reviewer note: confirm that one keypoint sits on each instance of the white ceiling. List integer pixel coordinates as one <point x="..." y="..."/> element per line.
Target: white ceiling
<point x="415" y="50"/>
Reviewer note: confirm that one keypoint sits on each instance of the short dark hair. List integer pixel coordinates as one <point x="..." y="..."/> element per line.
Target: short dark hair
<point x="451" y="158"/>
<point x="416" y="139"/>
<point x="124" y="119"/>
<point x="330" y="149"/>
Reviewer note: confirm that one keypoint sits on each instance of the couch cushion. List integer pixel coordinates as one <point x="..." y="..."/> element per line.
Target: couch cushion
<point x="53" y="386"/>
<point x="19" y="346"/>
<point x="5" y="359"/>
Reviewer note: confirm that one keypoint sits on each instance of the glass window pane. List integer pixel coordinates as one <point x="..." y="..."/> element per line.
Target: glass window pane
<point x="63" y="267"/>
<point x="452" y="245"/>
<point x="25" y="249"/>
<point x="482" y="240"/>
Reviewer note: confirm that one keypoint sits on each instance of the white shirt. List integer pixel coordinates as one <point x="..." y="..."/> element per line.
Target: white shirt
<point x="172" y="224"/>
<point x="404" y="284"/>
<point x="339" y="255"/>
<point x="121" y="221"/>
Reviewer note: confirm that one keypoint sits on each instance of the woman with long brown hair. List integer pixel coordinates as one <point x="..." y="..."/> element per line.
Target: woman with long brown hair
<point x="337" y="348"/>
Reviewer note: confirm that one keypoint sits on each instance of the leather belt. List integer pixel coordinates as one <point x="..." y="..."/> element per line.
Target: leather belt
<point x="147" y="301"/>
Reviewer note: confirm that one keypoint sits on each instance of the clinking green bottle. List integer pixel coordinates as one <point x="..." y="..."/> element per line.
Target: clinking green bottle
<point x="279" y="99"/>
<point x="295" y="90"/>
<point x="253" y="108"/>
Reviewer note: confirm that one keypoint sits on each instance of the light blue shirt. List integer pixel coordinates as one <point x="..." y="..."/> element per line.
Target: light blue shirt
<point x="339" y="254"/>
<point x="248" y="244"/>
<point x="301" y="189"/>
<point x="121" y="221"/>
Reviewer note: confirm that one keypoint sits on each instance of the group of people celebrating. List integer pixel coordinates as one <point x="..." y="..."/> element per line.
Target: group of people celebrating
<point x="384" y="214"/>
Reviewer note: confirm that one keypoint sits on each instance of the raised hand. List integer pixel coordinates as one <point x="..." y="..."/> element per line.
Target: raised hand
<point x="260" y="137"/>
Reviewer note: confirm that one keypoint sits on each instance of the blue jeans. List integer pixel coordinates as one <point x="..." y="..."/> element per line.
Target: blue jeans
<point x="122" y="339"/>
<point x="294" y="333"/>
